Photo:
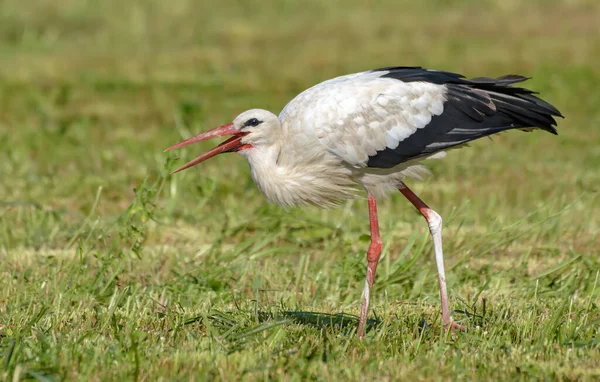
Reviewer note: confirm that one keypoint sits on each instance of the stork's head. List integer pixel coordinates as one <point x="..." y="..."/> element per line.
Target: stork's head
<point x="252" y="128"/>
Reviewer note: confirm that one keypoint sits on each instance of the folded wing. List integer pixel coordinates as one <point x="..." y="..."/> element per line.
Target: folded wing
<point x="388" y="116"/>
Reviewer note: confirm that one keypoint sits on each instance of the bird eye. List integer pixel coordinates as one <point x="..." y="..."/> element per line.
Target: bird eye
<point x="252" y="122"/>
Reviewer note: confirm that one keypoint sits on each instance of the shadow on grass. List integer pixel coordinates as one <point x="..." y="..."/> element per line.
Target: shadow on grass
<point x="347" y="323"/>
<point x="339" y="322"/>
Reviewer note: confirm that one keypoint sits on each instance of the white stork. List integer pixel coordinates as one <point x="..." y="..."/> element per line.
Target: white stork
<point x="371" y="130"/>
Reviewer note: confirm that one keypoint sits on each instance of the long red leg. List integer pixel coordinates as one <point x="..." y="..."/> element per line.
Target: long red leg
<point x="434" y="220"/>
<point x="372" y="259"/>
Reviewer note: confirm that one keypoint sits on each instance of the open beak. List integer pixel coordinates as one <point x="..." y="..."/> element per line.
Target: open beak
<point x="232" y="144"/>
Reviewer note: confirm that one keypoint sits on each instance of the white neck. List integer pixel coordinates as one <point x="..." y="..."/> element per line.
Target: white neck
<point x="290" y="178"/>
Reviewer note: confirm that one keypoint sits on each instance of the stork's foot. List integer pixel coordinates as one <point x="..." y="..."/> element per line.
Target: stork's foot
<point x="455" y="327"/>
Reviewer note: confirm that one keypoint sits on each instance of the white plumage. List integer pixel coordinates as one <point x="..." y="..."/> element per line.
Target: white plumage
<point x="357" y="115"/>
<point x="371" y="130"/>
<point x="324" y="137"/>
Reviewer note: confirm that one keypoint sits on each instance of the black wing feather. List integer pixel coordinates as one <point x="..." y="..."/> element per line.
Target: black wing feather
<point x="474" y="109"/>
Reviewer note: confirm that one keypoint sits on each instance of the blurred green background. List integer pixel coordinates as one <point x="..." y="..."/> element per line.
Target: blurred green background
<point x="110" y="268"/>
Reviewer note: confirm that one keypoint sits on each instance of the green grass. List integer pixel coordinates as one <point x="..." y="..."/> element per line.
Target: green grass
<point x="112" y="269"/>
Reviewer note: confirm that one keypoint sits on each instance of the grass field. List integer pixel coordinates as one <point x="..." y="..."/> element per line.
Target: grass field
<point x="111" y="269"/>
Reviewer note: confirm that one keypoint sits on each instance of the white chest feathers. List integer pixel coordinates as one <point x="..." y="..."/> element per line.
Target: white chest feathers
<point x="291" y="179"/>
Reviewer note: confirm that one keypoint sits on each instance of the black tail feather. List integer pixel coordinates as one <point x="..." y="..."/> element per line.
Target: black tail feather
<point x="474" y="108"/>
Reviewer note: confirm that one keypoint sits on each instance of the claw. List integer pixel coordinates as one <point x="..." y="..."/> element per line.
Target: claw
<point x="455" y="327"/>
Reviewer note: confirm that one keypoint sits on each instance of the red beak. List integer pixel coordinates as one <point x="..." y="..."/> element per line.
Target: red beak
<point x="229" y="145"/>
